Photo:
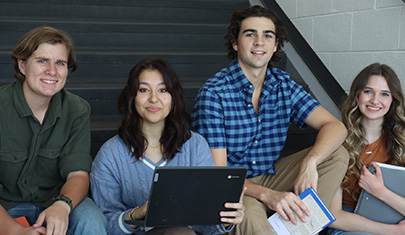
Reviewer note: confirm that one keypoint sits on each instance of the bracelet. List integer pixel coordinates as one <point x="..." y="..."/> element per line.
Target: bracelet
<point x="131" y="213"/>
<point x="66" y="199"/>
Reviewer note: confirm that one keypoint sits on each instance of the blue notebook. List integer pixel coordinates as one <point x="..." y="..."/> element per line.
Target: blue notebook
<point x="320" y="217"/>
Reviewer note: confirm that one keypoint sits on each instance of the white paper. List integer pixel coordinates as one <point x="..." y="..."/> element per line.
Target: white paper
<point x="314" y="223"/>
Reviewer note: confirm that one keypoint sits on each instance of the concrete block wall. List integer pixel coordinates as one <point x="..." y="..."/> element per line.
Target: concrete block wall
<point x="350" y="34"/>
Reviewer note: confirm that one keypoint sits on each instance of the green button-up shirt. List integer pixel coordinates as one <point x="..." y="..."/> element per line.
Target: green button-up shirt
<point x="35" y="159"/>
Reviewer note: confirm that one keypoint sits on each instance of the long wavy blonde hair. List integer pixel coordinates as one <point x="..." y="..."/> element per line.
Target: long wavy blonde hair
<point x="393" y="126"/>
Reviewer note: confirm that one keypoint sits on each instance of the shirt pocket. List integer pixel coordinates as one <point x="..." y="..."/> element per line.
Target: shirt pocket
<point x="11" y="165"/>
<point x="48" y="159"/>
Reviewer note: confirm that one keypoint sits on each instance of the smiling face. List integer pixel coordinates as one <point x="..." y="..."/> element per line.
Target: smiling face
<point x="256" y="43"/>
<point x="45" y="71"/>
<point x="152" y="102"/>
<point x="375" y="100"/>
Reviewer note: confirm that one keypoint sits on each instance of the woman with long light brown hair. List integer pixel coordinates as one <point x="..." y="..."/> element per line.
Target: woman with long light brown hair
<point x="373" y="114"/>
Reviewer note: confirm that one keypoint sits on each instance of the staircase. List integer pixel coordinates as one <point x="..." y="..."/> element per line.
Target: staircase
<point x="112" y="36"/>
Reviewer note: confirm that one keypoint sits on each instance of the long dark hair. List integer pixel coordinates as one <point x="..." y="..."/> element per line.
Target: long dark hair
<point x="177" y="124"/>
<point x="255" y="11"/>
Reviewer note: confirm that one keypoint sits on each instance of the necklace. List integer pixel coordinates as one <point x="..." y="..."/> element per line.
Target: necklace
<point x="373" y="146"/>
<point x="155" y="148"/>
<point x="370" y="151"/>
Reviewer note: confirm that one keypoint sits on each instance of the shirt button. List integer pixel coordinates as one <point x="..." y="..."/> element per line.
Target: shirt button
<point x="256" y="141"/>
<point x="249" y="105"/>
<point x="254" y="162"/>
<point x="250" y="86"/>
<point x="260" y="120"/>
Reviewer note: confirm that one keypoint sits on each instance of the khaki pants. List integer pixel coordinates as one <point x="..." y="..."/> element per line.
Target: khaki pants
<point x="331" y="173"/>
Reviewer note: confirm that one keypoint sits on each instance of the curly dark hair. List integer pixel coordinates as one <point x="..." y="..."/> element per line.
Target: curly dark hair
<point x="255" y="11"/>
<point x="177" y="128"/>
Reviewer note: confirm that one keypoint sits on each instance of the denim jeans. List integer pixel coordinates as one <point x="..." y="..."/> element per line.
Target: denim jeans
<point x="332" y="231"/>
<point x="86" y="218"/>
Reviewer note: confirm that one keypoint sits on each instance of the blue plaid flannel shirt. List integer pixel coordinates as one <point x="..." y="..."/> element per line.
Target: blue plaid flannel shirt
<point x="223" y="113"/>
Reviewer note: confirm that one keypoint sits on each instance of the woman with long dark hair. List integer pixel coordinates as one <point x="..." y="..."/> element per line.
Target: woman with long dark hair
<point x="155" y="131"/>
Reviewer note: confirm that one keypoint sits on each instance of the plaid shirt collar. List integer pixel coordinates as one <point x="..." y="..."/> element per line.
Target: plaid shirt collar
<point x="239" y="80"/>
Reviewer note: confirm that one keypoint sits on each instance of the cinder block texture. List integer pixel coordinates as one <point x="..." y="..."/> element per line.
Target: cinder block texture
<point x="351" y="34"/>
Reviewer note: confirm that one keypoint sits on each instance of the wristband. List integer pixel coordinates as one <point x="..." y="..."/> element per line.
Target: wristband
<point x="65" y="199"/>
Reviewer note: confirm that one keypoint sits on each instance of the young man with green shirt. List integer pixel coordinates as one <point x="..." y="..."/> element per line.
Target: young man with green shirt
<point x="45" y="142"/>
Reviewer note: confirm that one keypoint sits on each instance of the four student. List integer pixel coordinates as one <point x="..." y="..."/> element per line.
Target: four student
<point x="241" y="117"/>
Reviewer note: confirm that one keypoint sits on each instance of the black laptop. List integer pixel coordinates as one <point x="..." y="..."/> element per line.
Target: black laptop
<point x="184" y="196"/>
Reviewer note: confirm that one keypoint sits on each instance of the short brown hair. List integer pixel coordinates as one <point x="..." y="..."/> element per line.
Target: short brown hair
<point x="30" y="42"/>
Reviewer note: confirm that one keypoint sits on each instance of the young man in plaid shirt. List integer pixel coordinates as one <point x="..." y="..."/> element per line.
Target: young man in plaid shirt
<point x="244" y="112"/>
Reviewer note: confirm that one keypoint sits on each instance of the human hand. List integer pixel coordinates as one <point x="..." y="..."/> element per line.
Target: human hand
<point x="398" y="228"/>
<point x="138" y="212"/>
<point x="56" y="217"/>
<point x="286" y="204"/>
<point x="307" y="177"/>
<point x="234" y="216"/>
<point x="143" y="209"/>
<point x="372" y="183"/>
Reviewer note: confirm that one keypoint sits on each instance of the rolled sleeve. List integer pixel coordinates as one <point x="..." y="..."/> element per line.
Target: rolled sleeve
<point x="76" y="152"/>
<point x="208" y="119"/>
